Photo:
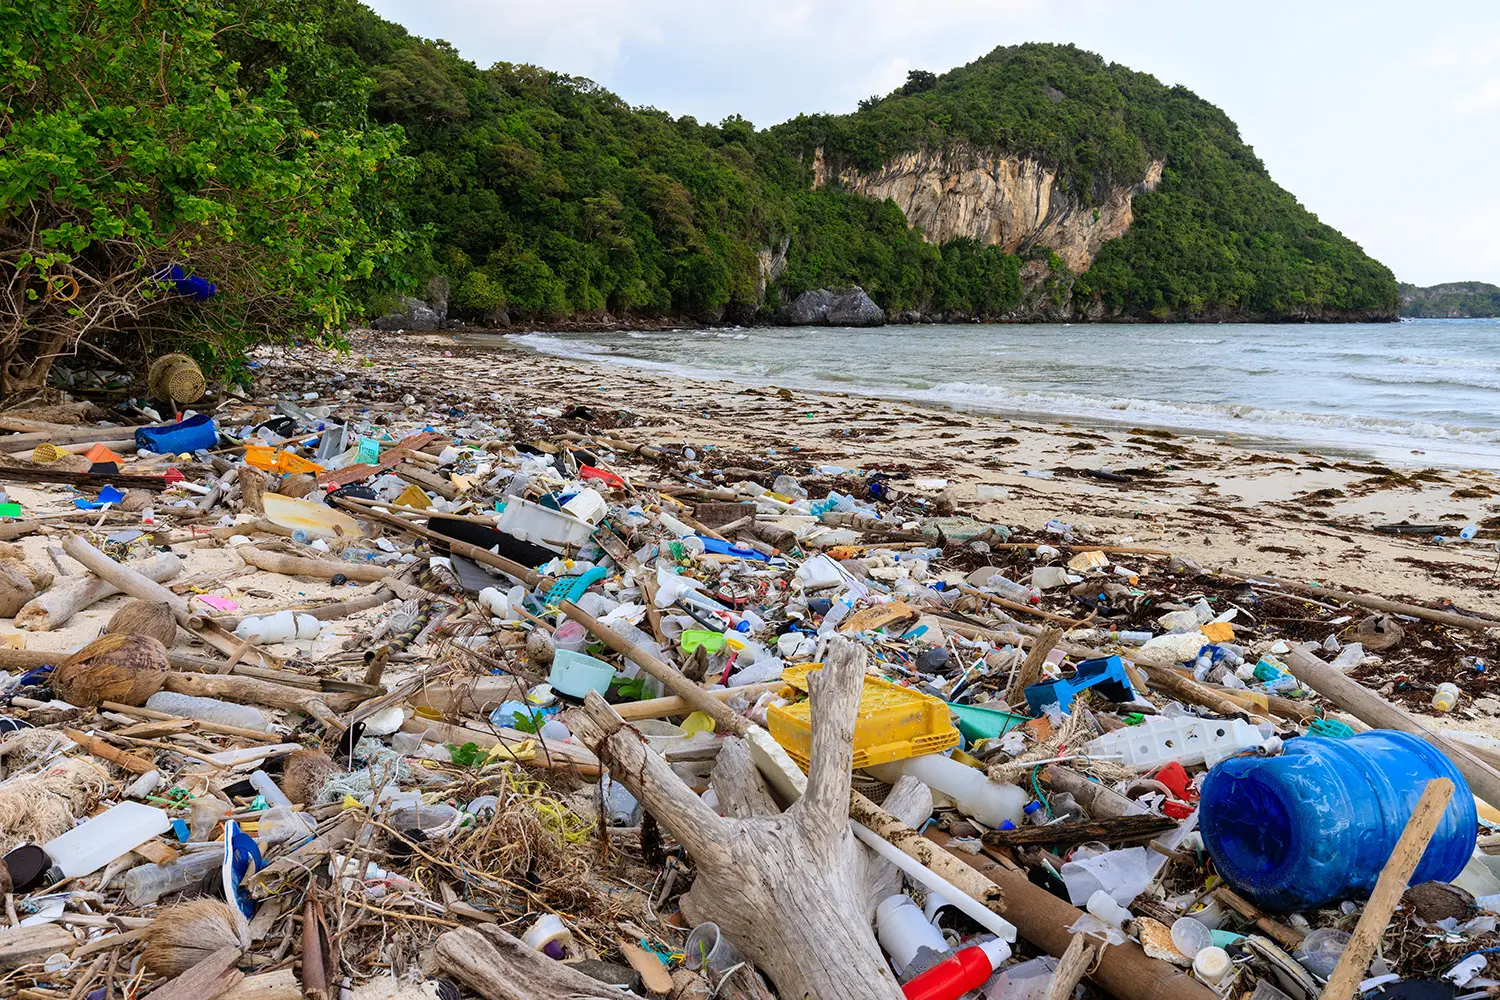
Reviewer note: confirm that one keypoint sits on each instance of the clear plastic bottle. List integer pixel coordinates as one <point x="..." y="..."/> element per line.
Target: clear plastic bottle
<point x="148" y="883"/>
<point x="1445" y="698"/>
<point x="1013" y="591"/>
<point x="1468" y="531"/>
<point x="223" y="713"/>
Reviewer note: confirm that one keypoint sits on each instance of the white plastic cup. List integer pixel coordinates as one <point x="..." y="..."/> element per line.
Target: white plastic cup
<point x="1212" y="965"/>
<point x="1189" y="936"/>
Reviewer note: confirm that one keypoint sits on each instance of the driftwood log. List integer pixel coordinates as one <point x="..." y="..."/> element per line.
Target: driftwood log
<point x="784" y="888"/>
<point x="133" y="583"/>
<point x="497" y="966"/>
<point x="324" y="708"/>
<point x="322" y="569"/>
<point x="70" y="595"/>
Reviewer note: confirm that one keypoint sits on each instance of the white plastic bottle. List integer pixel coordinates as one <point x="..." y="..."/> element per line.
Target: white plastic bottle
<point x="224" y="713"/>
<point x="990" y="802"/>
<point x="903" y="930"/>
<point x="92" y="845"/>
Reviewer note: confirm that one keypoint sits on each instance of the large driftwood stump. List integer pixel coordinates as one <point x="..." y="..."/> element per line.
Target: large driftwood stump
<point x="497" y="966"/>
<point x="789" y="890"/>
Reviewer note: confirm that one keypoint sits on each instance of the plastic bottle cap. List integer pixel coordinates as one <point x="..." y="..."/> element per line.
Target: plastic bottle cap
<point x="1031" y="807"/>
<point x="996" y="951"/>
<point x="28" y="865"/>
<point x="1212" y="964"/>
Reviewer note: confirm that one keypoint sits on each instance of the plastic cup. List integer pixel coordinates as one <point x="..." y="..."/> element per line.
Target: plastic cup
<point x="571" y="636"/>
<point x="1189" y="936"/>
<point x="707" y="947"/>
<point x="1321" y="950"/>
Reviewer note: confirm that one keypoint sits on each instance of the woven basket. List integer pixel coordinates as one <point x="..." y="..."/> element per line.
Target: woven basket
<point x="176" y="377"/>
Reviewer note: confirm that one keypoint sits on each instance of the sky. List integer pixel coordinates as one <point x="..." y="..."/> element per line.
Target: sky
<point x="1381" y="117"/>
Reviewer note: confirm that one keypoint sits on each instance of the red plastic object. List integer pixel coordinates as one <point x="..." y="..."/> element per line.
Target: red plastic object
<point x="966" y="970"/>
<point x="1175" y="777"/>
<point x="172" y="475"/>
<point x="589" y="472"/>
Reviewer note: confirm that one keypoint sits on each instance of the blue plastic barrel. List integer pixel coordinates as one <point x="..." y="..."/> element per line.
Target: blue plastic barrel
<point x="196" y="433"/>
<point x="1316" y="824"/>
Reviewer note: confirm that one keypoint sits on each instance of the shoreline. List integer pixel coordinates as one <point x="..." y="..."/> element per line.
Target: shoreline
<point x="1230" y="505"/>
<point x="1269" y="426"/>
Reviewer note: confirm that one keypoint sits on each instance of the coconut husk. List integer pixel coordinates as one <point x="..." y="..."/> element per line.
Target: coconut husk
<point x="136" y="500"/>
<point x="186" y="934"/>
<point x="305" y="773"/>
<point x="124" y="668"/>
<point x="153" y="618"/>
<point x="20" y="583"/>
<point x="297" y="485"/>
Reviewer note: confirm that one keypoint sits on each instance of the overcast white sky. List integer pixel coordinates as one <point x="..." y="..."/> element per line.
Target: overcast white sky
<point x="1381" y="117"/>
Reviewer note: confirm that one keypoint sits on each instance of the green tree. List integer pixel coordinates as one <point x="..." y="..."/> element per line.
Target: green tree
<point x="134" y="142"/>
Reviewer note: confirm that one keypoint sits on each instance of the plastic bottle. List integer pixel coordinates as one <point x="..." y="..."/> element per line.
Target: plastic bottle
<point x="269" y="790"/>
<point x="279" y="627"/>
<point x="148" y="517"/>
<point x="1317" y="823"/>
<point x="993" y="803"/>
<point x="92" y="845"/>
<point x="1035" y="814"/>
<point x="1012" y="591"/>
<point x="224" y="713"/>
<point x="903" y="930"/>
<point x="840" y="610"/>
<point x="1445" y="698"/>
<point x="1102" y="905"/>
<point x="148" y="883"/>
<point x="967" y="970"/>
<point x="1468" y="531"/>
<point x="1131" y="638"/>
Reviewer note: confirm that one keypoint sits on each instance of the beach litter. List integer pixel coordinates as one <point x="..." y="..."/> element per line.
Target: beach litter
<point x="326" y="691"/>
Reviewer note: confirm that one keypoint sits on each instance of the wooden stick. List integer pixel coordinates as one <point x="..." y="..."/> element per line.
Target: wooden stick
<point x="1001" y="602"/>
<point x="322" y="569"/>
<point x="725" y="718"/>
<point x="1285" y="935"/>
<point x="1374" y="603"/>
<point x="1388" y="889"/>
<point x="660" y="708"/>
<point x="1031" y="667"/>
<point x="247" y="690"/>
<point x="525" y="574"/>
<point x="1071" y="968"/>
<point x="99" y="748"/>
<point x="47" y="474"/>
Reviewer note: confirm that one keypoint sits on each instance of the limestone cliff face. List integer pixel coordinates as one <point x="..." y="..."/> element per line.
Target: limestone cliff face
<point x="1013" y="202"/>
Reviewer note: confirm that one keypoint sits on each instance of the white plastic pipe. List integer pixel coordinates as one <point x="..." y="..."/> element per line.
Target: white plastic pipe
<point x="982" y="915"/>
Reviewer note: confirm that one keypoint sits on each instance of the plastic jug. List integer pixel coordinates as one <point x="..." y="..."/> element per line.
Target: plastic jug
<point x="993" y="803"/>
<point x="1317" y="823"/>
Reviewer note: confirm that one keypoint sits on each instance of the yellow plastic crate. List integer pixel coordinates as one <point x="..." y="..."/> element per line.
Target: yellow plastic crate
<point x="893" y="723"/>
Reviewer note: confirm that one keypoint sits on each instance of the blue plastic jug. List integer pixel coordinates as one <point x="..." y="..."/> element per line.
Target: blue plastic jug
<point x="1317" y="824"/>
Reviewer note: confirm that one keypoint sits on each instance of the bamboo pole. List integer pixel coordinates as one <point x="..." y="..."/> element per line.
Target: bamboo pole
<point x="1388" y="890"/>
<point x="1373" y="603"/>
<point x="322" y="569"/>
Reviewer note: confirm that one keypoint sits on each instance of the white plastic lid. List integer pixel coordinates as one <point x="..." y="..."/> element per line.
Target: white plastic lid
<point x="997" y="951"/>
<point x="1212" y="964"/>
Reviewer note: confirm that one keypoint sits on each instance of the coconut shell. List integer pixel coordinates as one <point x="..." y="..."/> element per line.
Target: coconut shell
<point x="124" y="668"/>
<point x="186" y="934"/>
<point x="136" y="501"/>
<point x="1379" y="632"/>
<point x="305" y="773"/>
<point x="19" y="583"/>
<point x="153" y="618"/>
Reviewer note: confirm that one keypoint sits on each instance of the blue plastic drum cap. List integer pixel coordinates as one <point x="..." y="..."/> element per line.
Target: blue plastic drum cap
<point x="1318" y="823"/>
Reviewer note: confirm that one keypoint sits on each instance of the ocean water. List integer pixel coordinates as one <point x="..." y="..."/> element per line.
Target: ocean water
<point x="1419" y="392"/>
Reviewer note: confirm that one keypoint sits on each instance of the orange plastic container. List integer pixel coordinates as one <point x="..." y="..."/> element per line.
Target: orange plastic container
<point x="893" y="723"/>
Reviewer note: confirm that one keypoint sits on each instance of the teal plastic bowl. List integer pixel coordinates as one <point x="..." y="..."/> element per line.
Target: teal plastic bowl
<point x="576" y="674"/>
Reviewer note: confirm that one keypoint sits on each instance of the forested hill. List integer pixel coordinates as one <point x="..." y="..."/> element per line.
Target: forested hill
<point x="1452" y="300"/>
<point x="549" y="194"/>
<point x="310" y="162"/>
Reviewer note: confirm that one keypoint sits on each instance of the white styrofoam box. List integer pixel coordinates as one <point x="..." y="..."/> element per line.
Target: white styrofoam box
<point x="1159" y="741"/>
